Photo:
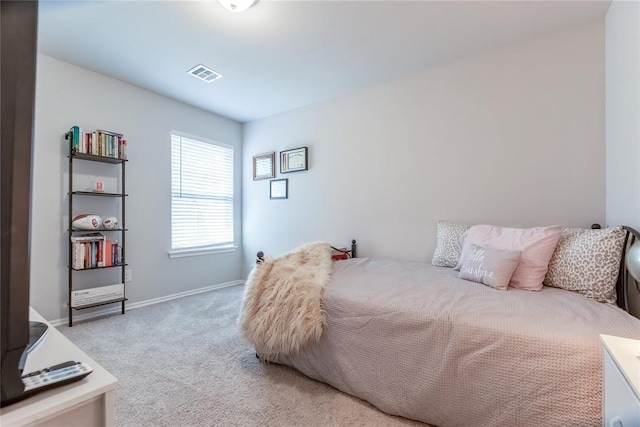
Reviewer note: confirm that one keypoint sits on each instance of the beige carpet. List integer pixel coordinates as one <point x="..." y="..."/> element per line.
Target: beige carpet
<point x="184" y="363"/>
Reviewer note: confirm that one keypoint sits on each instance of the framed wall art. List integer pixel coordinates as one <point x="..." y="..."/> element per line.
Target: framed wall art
<point x="294" y="160"/>
<point x="264" y="166"/>
<point x="279" y="189"/>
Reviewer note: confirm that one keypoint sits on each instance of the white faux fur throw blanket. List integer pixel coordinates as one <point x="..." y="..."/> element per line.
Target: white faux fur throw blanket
<point x="282" y="306"/>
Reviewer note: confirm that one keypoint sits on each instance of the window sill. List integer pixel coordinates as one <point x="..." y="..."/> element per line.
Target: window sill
<point x="180" y="253"/>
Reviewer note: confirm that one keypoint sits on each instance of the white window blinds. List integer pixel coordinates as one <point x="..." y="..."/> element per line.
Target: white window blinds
<point x="201" y="194"/>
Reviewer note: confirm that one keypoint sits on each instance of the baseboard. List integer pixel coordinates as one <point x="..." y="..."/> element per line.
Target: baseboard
<point x="116" y="308"/>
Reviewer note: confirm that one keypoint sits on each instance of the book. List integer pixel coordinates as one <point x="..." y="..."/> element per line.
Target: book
<point x="75" y="262"/>
<point x="97" y="295"/>
<point x="85" y="255"/>
<point x="88" y="237"/>
<point x="94" y="139"/>
<point x="94" y="150"/>
<point x="93" y="262"/>
<point x="116" y="253"/>
<point x="108" y="252"/>
<point x="100" y="254"/>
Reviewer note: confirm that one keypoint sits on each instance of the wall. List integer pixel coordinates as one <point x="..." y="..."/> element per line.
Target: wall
<point x="67" y="95"/>
<point x="623" y="120"/>
<point x="623" y="113"/>
<point x="512" y="136"/>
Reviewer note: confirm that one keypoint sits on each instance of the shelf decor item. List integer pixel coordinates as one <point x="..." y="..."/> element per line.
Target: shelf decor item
<point x="86" y="222"/>
<point x="294" y="160"/>
<point x="110" y="223"/>
<point x="264" y="166"/>
<point x="279" y="189"/>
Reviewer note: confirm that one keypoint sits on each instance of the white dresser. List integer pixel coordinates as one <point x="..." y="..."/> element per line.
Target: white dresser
<point x="88" y="402"/>
<point x="621" y="400"/>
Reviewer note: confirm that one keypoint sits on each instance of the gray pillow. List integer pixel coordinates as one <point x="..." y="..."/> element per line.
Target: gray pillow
<point x="491" y="267"/>
<point x="448" y="246"/>
<point x="588" y="262"/>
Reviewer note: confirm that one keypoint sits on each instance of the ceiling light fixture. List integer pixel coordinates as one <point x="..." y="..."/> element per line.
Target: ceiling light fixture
<point x="237" y="5"/>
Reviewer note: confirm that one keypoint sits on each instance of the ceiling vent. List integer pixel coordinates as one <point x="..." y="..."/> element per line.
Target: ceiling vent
<point x="204" y="73"/>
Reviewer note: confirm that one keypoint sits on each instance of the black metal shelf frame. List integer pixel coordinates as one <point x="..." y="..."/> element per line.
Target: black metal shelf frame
<point x="98" y="193"/>
<point x="94" y="158"/>
<point x="74" y="156"/>
<point x="98" y="304"/>
<point x="77" y="230"/>
<point x="99" y="268"/>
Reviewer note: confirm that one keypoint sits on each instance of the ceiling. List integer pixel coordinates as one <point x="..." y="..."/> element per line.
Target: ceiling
<point x="281" y="55"/>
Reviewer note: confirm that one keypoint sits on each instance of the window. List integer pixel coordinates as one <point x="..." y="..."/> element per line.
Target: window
<point x="201" y="196"/>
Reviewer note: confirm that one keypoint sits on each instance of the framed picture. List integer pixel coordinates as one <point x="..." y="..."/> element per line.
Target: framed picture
<point x="294" y="160"/>
<point x="279" y="189"/>
<point x="264" y="166"/>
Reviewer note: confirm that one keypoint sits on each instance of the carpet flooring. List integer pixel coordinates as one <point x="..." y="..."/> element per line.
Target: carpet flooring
<point x="184" y="363"/>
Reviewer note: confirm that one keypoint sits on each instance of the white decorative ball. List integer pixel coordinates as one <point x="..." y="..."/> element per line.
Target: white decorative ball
<point x="110" y="223"/>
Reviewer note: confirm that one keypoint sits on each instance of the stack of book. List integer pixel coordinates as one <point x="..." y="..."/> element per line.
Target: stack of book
<point x="99" y="143"/>
<point x="94" y="251"/>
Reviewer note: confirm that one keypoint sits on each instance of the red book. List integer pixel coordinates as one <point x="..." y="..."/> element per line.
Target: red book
<point x="87" y="255"/>
<point x="108" y="252"/>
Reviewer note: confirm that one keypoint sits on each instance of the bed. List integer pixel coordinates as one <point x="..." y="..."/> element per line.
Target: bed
<point x="415" y="340"/>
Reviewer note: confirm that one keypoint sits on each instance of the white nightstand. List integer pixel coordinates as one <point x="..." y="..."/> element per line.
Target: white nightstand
<point x="621" y="392"/>
<point x="88" y="402"/>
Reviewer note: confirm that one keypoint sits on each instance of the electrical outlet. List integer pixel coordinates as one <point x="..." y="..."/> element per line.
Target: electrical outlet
<point x="127" y="275"/>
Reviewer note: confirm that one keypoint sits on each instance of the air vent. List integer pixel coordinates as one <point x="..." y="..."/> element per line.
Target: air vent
<point x="204" y="73"/>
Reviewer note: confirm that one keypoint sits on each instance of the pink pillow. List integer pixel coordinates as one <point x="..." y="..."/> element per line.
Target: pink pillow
<point x="536" y="244"/>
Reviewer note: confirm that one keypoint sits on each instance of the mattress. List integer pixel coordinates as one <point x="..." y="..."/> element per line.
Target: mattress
<point x="416" y="341"/>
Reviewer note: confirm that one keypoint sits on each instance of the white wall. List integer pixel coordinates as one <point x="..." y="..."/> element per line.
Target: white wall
<point x="67" y="95"/>
<point x="623" y="113"/>
<point x="623" y="119"/>
<point x="513" y="136"/>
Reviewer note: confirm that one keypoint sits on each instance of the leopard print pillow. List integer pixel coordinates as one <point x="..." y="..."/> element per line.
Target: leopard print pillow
<point x="448" y="246"/>
<point x="587" y="262"/>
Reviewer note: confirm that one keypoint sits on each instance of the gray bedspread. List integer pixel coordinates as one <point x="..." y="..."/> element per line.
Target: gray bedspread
<point x="416" y="341"/>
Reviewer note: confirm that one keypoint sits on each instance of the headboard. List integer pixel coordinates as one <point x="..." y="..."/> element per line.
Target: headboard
<point x="352" y="253"/>
<point x="626" y="283"/>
